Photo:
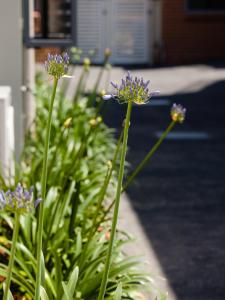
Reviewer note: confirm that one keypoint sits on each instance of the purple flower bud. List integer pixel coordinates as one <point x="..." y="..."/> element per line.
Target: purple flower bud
<point x="58" y="59"/>
<point x="146" y="84"/>
<point x="2" y="200"/>
<point x="129" y="76"/>
<point x="66" y="58"/>
<point x="114" y="85"/>
<point x="154" y="94"/>
<point x="37" y="202"/>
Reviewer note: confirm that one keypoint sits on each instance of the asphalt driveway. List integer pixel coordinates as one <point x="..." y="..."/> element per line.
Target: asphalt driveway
<point x="180" y="196"/>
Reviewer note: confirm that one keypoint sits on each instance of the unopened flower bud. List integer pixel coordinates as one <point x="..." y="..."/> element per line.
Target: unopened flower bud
<point x="107" y="53"/>
<point x="99" y="119"/>
<point x="67" y="123"/>
<point x="109" y="164"/>
<point x="102" y="93"/>
<point x="178" y="113"/>
<point x="86" y="63"/>
<point x="93" y="122"/>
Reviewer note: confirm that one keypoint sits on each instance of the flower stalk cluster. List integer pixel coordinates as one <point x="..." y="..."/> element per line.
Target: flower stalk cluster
<point x="132" y="91"/>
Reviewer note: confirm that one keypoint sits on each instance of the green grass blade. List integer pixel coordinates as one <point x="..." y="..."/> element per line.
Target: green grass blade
<point x="118" y="292"/>
<point x="43" y="294"/>
<point x="70" y="287"/>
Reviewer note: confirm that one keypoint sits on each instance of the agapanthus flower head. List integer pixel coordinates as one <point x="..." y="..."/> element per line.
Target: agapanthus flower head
<point x="131" y="89"/>
<point x="178" y="113"/>
<point x="20" y="200"/>
<point x="57" y="65"/>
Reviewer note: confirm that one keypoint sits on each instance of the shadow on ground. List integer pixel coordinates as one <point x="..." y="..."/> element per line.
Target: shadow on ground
<point x="180" y="196"/>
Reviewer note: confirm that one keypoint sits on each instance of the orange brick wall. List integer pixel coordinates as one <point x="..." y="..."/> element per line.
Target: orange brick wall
<point x="189" y="38"/>
<point x="41" y="53"/>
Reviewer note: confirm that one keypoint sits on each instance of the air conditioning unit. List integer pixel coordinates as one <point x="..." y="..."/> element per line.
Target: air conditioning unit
<point x="6" y="133"/>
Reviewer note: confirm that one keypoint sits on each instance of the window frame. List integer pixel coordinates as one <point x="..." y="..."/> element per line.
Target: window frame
<point x="32" y="42"/>
<point x="196" y="11"/>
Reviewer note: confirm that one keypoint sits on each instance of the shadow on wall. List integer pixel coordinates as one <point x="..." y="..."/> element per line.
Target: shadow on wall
<point x="179" y="196"/>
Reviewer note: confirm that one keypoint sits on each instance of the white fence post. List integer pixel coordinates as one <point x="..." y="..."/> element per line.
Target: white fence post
<point x="6" y="132"/>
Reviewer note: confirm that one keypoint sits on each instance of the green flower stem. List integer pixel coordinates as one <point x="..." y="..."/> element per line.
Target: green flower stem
<point x="43" y="193"/>
<point x="140" y="166"/>
<point x="100" y="74"/>
<point x="97" y="83"/>
<point x="117" y="204"/>
<point x="148" y="156"/>
<point x="79" y="86"/>
<point x="100" y="200"/>
<point x="75" y="205"/>
<point x="12" y="255"/>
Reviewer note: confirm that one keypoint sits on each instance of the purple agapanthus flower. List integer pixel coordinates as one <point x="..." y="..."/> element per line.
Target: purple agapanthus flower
<point x="57" y="65"/>
<point x="131" y="89"/>
<point x="178" y="113"/>
<point x="20" y="200"/>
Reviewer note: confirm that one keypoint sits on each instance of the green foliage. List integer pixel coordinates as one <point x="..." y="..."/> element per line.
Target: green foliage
<point x="77" y="168"/>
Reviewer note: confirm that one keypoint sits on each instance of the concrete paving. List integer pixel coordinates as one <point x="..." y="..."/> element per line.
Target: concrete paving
<point x="169" y="81"/>
<point x="177" y="204"/>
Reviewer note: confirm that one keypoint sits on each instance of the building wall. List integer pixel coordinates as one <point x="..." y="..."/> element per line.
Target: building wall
<point x="11" y="60"/>
<point x="191" y="37"/>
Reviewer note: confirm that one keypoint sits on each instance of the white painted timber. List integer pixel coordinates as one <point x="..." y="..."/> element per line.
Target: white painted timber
<point x="130" y="31"/>
<point x="6" y="132"/>
<point x="121" y="25"/>
<point x="89" y="27"/>
<point x="11" y="60"/>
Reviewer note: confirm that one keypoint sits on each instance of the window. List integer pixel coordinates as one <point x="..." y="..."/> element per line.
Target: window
<point x="49" y="22"/>
<point x="206" y="5"/>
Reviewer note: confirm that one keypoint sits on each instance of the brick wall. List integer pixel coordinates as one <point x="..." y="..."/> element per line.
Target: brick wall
<point x="41" y="53"/>
<point x="189" y="38"/>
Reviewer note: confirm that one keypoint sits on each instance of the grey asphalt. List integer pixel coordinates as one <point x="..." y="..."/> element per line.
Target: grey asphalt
<point x="179" y="198"/>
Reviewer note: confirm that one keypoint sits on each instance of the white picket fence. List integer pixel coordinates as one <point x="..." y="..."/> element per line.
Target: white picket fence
<point x="6" y="133"/>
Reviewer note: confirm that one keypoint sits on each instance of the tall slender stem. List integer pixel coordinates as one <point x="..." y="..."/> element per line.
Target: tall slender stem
<point x="148" y="156"/>
<point x="43" y="193"/>
<point x="100" y="200"/>
<point x="12" y="255"/>
<point x="79" y="87"/>
<point x="117" y="204"/>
